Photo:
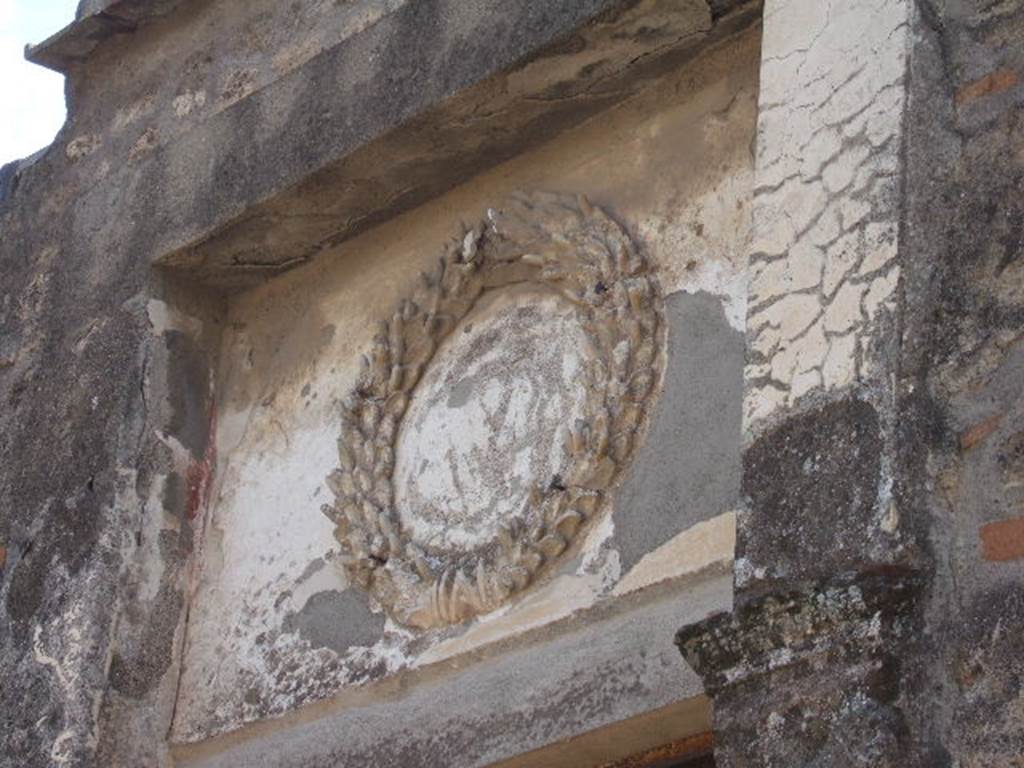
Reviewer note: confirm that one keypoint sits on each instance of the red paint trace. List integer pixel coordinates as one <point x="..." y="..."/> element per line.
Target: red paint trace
<point x="199" y="475"/>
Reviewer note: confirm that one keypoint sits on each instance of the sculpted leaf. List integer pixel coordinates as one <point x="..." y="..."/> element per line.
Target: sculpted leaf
<point x="573" y="248"/>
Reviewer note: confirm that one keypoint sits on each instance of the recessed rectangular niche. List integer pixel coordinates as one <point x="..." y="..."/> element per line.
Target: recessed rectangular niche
<point x="428" y="612"/>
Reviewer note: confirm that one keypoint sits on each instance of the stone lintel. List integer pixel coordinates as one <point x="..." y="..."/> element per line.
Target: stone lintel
<point x="419" y="118"/>
<point x="397" y="112"/>
<point x="608" y="688"/>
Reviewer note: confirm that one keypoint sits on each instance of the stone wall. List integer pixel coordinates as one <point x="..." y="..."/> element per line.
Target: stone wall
<point x="879" y="563"/>
<point x="168" y="393"/>
<point x="209" y="147"/>
<point x="962" y="375"/>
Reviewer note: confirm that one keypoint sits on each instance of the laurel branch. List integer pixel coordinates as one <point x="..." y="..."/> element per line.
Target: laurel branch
<point x="559" y="242"/>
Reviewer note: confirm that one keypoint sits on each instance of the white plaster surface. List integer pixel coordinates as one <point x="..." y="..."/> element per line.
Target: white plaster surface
<point x="673" y="166"/>
<point x="490" y="419"/>
<point x="822" y="266"/>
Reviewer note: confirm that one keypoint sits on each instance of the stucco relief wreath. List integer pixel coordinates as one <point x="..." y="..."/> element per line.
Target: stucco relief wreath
<point x="555" y="242"/>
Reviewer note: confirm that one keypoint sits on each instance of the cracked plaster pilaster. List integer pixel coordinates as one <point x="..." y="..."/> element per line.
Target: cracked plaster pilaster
<point x="823" y="271"/>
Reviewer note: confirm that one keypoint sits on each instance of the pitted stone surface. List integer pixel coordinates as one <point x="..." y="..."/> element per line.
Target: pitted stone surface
<point x="490" y="419"/>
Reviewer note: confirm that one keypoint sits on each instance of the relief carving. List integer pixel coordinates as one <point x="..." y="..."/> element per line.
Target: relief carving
<point x="554" y="243"/>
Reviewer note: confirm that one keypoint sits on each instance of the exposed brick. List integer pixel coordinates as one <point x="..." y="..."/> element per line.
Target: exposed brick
<point x="1003" y="540"/>
<point x="993" y="82"/>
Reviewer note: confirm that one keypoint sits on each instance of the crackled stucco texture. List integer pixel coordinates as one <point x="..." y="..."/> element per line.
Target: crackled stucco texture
<point x="826" y="202"/>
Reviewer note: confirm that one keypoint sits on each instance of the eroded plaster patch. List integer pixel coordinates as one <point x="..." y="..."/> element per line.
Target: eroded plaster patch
<point x="163" y="318"/>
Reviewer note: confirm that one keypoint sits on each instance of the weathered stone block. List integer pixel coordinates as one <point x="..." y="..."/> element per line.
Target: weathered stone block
<point x="815" y="488"/>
